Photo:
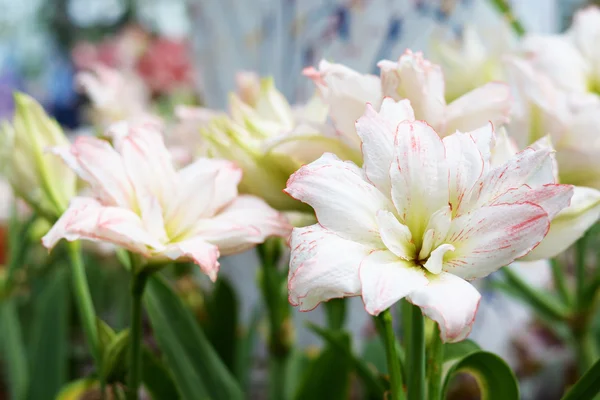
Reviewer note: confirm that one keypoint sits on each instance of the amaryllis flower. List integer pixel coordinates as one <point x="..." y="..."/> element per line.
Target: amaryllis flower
<point x="114" y="95"/>
<point x="571" y="119"/>
<point x="144" y="205"/>
<point x="572" y="59"/>
<point x="166" y="65"/>
<point x="346" y="92"/>
<point x="421" y="218"/>
<point x="270" y="139"/>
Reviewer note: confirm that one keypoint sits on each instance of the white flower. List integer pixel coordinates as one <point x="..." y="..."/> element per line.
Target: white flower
<point x="419" y="219"/>
<point x="414" y="78"/>
<point x="143" y="204"/>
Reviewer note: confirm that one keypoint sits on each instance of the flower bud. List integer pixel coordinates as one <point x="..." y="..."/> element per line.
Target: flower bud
<point x="41" y="179"/>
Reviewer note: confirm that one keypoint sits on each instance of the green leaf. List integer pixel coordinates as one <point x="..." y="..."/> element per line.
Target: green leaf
<point x="106" y="334"/>
<point x="156" y="378"/>
<point x="297" y="362"/>
<point x="452" y="351"/>
<point x="198" y="371"/>
<point x="495" y="378"/>
<point x="328" y="376"/>
<point x="49" y="337"/>
<point x="587" y="387"/>
<point x="78" y="389"/>
<point x="13" y="350"/>
<point x="245" y="351"/>
<point x="114" y="359"/>
<point x="373" y="385"/>
<point x="221" y="325"/>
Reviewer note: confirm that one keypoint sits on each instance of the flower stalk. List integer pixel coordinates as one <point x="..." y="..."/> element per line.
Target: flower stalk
<point x="386" y="330"/>
<point x="85" y="306"/>
<point x="138" y="284"/>
<point x="415" y="356"/>
<point x="435" y="358"/>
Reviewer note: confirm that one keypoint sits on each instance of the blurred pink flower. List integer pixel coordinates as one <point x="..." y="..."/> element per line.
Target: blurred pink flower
<point x="143" y="204"/>
<point x="166" y="65"/>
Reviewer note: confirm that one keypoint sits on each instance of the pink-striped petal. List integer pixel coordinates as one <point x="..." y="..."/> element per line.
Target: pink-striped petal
<point x="341" y="197"/>
<point x="323" y="266"/>
<point x="491" y="237"/>
<point x="419" y="176"/>
<point x="377" y="132"/>
<point x="196" y="249"/>
<point x="244" y="223"/>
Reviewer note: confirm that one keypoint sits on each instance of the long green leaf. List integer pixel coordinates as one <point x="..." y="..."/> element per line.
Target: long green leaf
<point x="221" y="324"/>
<point x="156" y="378"/>
<point x="373" y="384"/>
<point x="495" y="378"/>
<point x="452" y="351"/>
<point x="13" y="350"/>
<point x="244" y="356"/>
<point x="197" y="370"/>
<point x="587" y="387"/>
<point x="328" y="376"/>
<point x="49" y="341"/>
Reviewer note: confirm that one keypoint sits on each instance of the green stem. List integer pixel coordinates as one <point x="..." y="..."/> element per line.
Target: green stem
<point x="138" y="283"/>
<point x="435" y="358"/>
<point x="393" y="361"/>
<point x="85" y="306"/>
<point x="277" y="308"/>
<point x="335" y="310"/>
<point x="560" y="281"/>
<point x="580" y="273"/>
<point x="415" y="358"/>
<point x="503" y="6"/>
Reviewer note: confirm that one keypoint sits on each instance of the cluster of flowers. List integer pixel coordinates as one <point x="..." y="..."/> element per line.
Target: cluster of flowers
<point x="416" y="189"/>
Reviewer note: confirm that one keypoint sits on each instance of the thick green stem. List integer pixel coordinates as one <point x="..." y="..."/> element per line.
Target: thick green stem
<point x="138" y="283"/>
<point x="415" y="358"/>
<point x="393" y="361"/>
<point x="277" y="307"/>
<point x="503" y="6"/>
<point x="335" y="310"/>
<point x="85" y="306"/>
<point x="435" y="358"/>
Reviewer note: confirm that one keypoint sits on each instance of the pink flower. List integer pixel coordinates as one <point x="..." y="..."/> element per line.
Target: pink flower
<point x="166" y="65"/>
<point x="416" y="79"/>
<point x="421" y="218"/>
<point x="146" y="206"/>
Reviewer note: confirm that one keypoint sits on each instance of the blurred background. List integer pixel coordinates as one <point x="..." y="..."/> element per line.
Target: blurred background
<point x="188" y="52"/>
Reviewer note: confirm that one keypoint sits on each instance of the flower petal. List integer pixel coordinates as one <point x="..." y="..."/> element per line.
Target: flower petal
<point x="491" y="237"/>
<point x="385" y="279"/>
<point x="323" y="266"/>
<point x="377" y="132"/>
<point x="419" y="176"/>
<point x="418" y="80"/>
<point x="529" y="164"/>
<point x="97" y="163"/>
<point x="346" y="92"/>
<point x="451" y="302"/>
<point x="204" y="254"/>
<point x="244" y="223"/>
<point x="465" y="166"/>
<point x="395" y="236"/>
<point x="148" y="162"/>
<point x="87" y="219"/>
<point x="569" y="224"/>
<point x="488" y="103"/>
<point x="436" y="259"/>
<point x="341" y="197"/>
<point x="585" y="34"/>
<point x="205" y="186"/>
<point x="552" y="198"/>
